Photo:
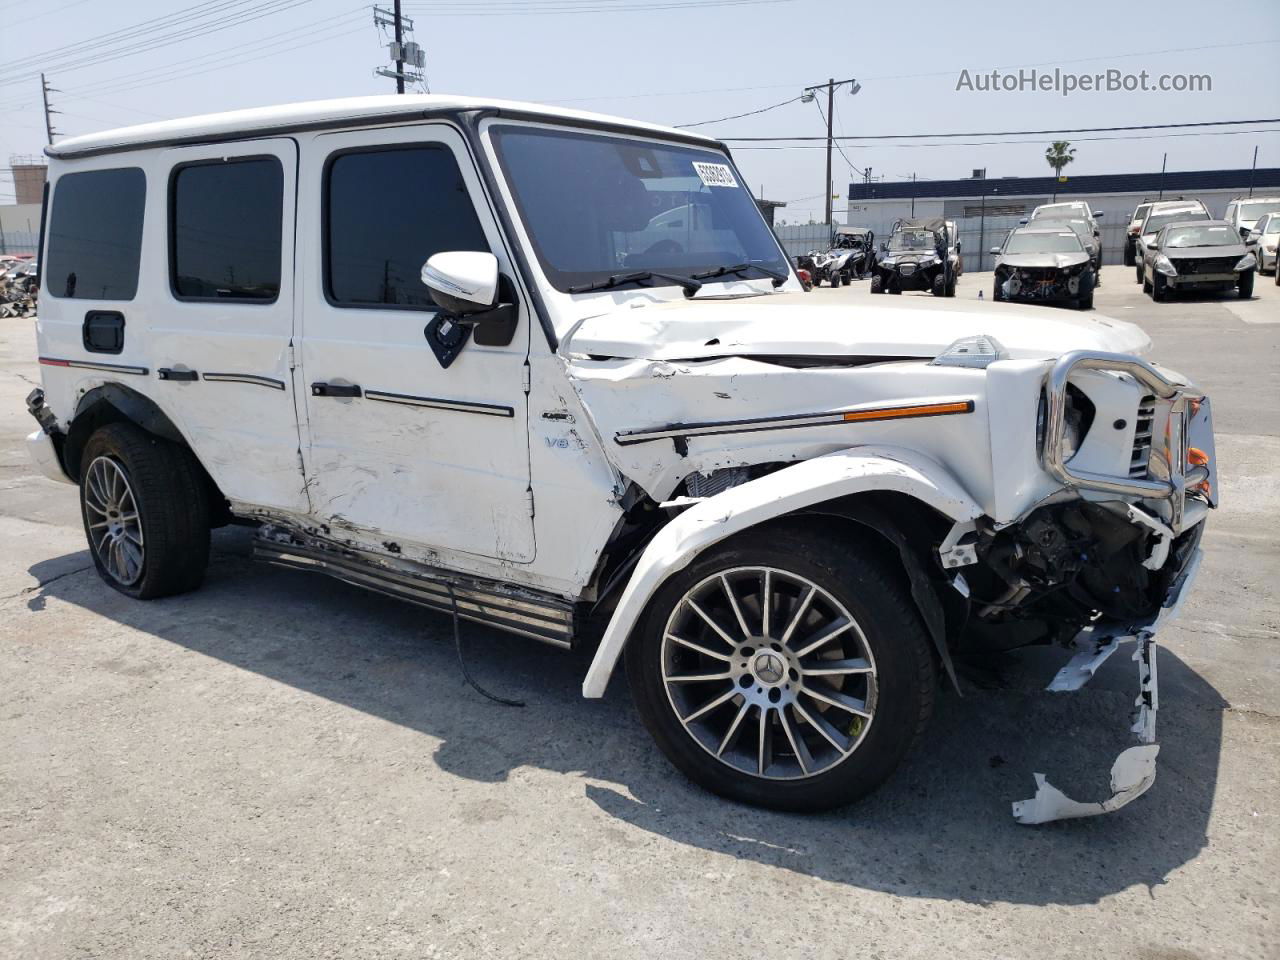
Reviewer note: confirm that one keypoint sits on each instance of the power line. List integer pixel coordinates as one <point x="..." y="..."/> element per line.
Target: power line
<point x="558" y="7"/>
<point x="1005" y="143"/>
<point x="736" y="116"/>
<point x="1010" y="133"/>
<point x="204" y="29"/>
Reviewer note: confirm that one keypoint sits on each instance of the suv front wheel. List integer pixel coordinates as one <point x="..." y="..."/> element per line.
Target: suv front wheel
<point x="145" y="512"/>
<point x="784" y="668"/>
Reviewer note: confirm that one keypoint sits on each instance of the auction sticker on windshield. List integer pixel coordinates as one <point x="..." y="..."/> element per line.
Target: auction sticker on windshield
<point x="715" y="174"/>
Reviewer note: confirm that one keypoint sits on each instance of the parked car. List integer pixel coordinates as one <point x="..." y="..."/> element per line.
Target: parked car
<point x="919" y="255"/>
<point x="1162" y="213"/>
<point x="1045" y="265"/>
<point x="1084" y="229"/>
<point x="1201" y="255"/>
<point x="783" y="514"/>
<point x="1243" y="212"/>
<point x="1263" y="239"/>
<point x="1074" y="210"/>
<point x="1133" y="232"/>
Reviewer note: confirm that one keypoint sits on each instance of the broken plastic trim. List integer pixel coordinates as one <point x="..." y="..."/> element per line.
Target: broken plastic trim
<point x="1134" y="770"/>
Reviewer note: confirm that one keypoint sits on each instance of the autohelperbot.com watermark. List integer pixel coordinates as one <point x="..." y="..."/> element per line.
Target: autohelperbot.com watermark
<point x="1031" y="80"/>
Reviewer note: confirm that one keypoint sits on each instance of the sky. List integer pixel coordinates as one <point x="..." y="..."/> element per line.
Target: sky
<point x="683" y="63"/>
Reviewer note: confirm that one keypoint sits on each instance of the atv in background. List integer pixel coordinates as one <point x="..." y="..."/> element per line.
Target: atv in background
<point x="851" y="257"/>
<point x="920" y="255"/>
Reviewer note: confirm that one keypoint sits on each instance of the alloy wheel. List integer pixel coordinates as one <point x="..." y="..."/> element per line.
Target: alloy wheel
<point x="769" y="673"/>
<point x="111" y="514"/>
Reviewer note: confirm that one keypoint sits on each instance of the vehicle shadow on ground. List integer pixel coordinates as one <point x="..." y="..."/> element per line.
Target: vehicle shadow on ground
<point x="940" y="828"/>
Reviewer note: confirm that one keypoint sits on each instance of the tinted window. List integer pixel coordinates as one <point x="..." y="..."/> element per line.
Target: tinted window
<point x="387" y="212"/>
<point x="95" y="235"/>
<point x="226" y="219"/>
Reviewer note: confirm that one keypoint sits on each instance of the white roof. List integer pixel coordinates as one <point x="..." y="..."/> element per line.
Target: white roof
<point x="235" y="124"/>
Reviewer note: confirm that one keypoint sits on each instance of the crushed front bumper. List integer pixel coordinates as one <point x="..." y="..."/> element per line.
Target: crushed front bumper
<point x="1189" y="430"/>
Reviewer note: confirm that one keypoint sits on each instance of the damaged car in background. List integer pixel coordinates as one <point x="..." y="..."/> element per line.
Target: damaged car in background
<point x="1204" y="256"/>
<point x="1043" y="266"/>
<point x="514" y="403"/>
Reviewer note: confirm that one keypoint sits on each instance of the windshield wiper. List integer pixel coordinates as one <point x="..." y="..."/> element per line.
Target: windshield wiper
<point x="778" y="278"/>
<point x="690" y="285"/>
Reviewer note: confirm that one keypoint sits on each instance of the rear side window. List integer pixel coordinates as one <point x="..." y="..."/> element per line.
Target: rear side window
<point x="386" y="212"/>
<point x="95" y="235"/>
<point x="225" y="226"/>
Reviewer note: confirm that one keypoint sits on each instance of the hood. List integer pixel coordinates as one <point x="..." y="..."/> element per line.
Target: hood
<point x="792" y="325"/>
<point x="1059" y="261"/>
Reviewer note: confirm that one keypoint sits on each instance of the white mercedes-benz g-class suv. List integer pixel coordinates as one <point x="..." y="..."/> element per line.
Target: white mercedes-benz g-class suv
<point x="552" y="372"/>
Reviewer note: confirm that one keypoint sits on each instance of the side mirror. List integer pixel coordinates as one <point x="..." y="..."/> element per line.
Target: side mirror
<point x="1023" y="221"/>
<point x="994" y="251"/>
<point x="1244" y="233"/>
<point x="462" y="282"/>
<point x="467" y="287"/>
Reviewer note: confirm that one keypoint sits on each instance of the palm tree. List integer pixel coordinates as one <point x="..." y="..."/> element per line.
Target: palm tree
<point x="1059" y="154"/>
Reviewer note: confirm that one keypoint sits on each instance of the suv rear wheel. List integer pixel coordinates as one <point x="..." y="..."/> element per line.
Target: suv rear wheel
<point x="145" y="512"/>
<point x="785" y="669"/>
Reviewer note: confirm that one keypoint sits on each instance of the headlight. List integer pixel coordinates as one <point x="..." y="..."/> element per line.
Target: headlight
<point x="1163" y="265"/>
<point x="1247" y="262"/>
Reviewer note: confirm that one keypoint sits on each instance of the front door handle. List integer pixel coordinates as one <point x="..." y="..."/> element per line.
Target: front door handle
<point x="335" y="390"/>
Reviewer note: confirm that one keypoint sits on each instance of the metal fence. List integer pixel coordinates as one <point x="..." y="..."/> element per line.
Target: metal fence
<point x="18" y="241"/>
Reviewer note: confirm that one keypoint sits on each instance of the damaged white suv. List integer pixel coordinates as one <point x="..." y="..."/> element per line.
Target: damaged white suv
<point x="552" y="372"/>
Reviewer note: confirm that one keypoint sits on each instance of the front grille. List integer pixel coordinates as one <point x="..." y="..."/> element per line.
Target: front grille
<point x="1207" y="265"/>
<point x="1142" y="437"/>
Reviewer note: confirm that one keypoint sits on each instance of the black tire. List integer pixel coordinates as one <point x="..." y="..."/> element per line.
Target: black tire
<point x="172" y="507"/>
<point x="1276" y="271"/>
<point x="1139" y="272"/>
<point x="951" y="288"/>
<point x="1129" y="258"/>
<point x="877" y="283"/>
<point x="997" y="292"/>
<point x="1244" y="285"/>
<point x="906" y="669"/>
<point x="1159" y="288"/>
<point x="939" y="287"/>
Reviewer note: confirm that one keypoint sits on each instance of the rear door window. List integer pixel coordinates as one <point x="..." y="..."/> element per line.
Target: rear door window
<point x="225" y="228"/>
<point x="95" y="235"/>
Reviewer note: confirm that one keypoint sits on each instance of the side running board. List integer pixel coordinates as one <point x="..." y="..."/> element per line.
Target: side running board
<point x="540" y="617"/>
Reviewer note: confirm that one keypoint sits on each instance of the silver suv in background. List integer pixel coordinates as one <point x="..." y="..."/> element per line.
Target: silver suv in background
<point x="1243" y="213"/>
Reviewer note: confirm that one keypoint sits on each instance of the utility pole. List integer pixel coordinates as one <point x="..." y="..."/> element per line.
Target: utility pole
<point x="806" y="96"/>
<point x="913" y="196"/>
<point x="1253" y="168"/>
<point x="404" y="52"/>
<point x="399" y="49"/>
<point x="1163" y="163"/>
<point x="45" y="90"/>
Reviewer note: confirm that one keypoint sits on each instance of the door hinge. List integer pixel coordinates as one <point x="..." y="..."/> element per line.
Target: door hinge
<point x="528" y="495"/>
<point x="293" y="359"/>
<point x="526" y="379"/>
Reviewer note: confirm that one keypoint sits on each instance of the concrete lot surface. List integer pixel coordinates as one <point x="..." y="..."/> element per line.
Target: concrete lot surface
<point x="283" y="766"/>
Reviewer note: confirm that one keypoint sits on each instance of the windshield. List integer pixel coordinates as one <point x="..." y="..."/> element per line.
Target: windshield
<point x="1253" y="209"/>
<point x="905" y="240"/>
<point x="1214" y="236"/>
<point x="1140" y="213"/>
<point x="597" y="206"/>
<point x="1059" y="211"/>
<point x="1043" y="243"/>
<point x="1158" y="220"/>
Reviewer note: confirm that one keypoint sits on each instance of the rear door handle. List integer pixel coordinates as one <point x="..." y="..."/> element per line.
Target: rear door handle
<point x="335" y="390"/>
